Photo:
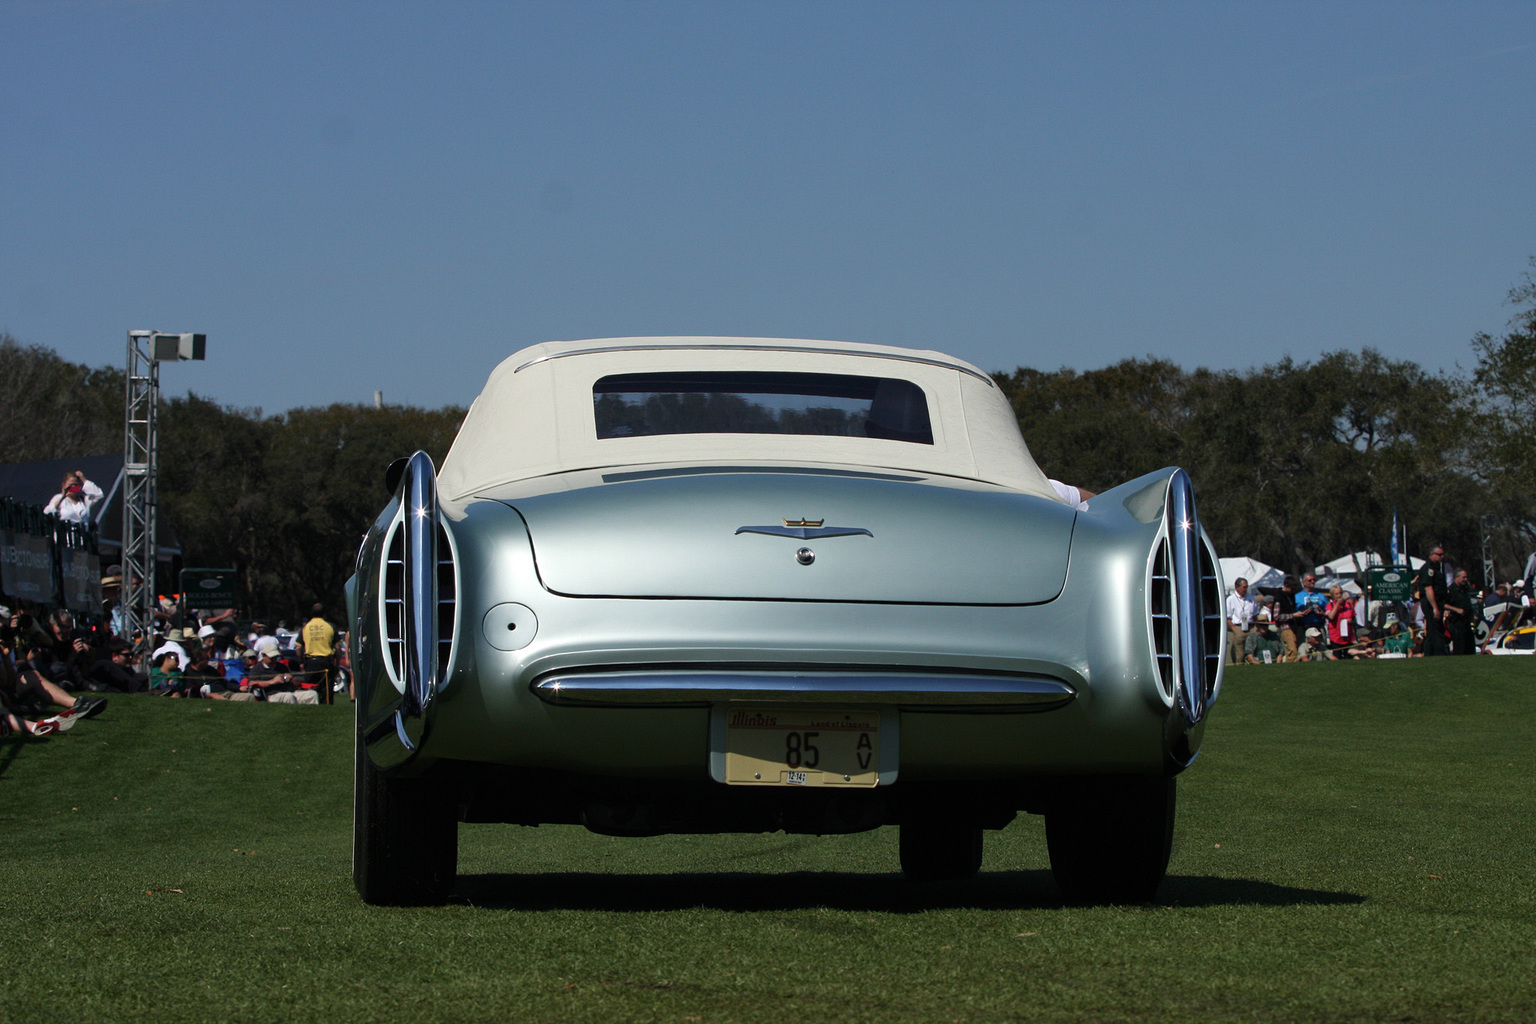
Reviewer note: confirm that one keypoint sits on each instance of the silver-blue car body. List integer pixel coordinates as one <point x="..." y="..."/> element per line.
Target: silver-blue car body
<point x="671" y="585"/>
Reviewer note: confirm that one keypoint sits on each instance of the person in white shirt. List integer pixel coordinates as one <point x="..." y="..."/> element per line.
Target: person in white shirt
<point x="76" y="499"/>
<point x="1077" y="497"/>
<point x="1241" y="610"/>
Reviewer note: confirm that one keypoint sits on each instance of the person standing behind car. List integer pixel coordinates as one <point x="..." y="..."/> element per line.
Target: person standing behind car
<point x="1430" y="587"/>
<point x="1284" y="614"/>
<point x="1461" y="611"/>
<point x="1241" y="610"/>
<point x="319" y="640"/>
<point x="1311" y="606"/>
<point x="1342" y="628"/>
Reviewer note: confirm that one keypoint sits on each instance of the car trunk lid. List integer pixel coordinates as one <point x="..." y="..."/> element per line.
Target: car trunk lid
<point x="801" y="534"/>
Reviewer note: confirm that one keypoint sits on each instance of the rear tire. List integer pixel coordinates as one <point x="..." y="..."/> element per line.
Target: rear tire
<point x="1109" y="839"/>
<point x="933" y="852"/>
<point x="405" y="838"/>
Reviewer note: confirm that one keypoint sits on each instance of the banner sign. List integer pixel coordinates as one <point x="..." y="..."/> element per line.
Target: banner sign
<point x="208" y="588"/>
<point x="81" y="571"/>
<point x="26" y="566"/>
<point x="1392" y="583"/>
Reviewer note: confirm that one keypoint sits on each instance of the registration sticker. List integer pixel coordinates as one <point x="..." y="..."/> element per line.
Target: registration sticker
<point x="794" y="747"/>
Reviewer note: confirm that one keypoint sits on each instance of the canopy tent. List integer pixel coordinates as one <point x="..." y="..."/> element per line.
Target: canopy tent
<point x="1349" y="565"/>
<point x="1255" y="572"/>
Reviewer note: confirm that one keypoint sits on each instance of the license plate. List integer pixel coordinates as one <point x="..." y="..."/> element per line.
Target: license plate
<point x="779" y="747"/>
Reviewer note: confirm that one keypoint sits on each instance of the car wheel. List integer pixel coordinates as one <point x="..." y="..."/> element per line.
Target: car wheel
<point x="405" y="838"/>
<point x="1109" y="839"/>
<point x="939" y="853"/>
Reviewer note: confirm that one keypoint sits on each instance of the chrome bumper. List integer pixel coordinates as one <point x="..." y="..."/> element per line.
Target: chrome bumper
<point x="908" y="692"/>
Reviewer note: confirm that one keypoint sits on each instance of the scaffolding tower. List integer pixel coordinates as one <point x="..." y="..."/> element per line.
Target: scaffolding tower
<point x="141" y="412"/>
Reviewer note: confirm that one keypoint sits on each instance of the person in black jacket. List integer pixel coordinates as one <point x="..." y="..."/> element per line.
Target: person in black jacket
<point x="1431" y="589"/>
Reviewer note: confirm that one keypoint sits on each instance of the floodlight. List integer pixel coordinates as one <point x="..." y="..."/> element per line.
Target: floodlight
<point x="166" y="348"/>
<point x="191" y="346"/>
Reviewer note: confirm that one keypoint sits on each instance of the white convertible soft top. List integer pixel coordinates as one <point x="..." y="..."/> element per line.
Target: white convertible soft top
<point x="535" y="415"/>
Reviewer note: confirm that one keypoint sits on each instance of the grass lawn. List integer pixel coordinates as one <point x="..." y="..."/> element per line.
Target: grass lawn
<point x="1355" y="844"/>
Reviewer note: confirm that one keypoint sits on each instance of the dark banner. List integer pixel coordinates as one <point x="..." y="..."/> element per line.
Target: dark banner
<point x="208" y="588"/>
<point x="26" y="566"/>
<point x="82" y="580"/>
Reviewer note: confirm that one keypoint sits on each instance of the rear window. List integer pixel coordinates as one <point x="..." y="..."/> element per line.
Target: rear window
<point x="829" y="404"/>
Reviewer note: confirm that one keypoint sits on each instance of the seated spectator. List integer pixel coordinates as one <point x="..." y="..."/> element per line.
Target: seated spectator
<point x="13" y="724"/>
<point x="273" y="681"/>
<point x="26" y="630"/>
<point x="202" y="673"/>
<point x="1313" y="647"/>
<point x="176" y="642"/>
<point x="165" y="674"/>
<point x="76" y="499"/>
<point x="114" y="672"/>
<point x="236" y="687"/>
<point x="1262" y="647"/>
<point x="69" y="654"/>
<point x="23" y="687"/>
<point x="264" y="641"/>
<point x="286" y="638"/>
<point x="1398" y="642"/>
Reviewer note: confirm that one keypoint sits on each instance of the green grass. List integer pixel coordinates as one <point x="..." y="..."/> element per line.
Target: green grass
<point x="1355" y="844"/>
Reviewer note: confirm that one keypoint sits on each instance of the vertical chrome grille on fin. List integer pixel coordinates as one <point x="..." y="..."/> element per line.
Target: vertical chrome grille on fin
<point x="447" y="600"/>
<point x="1160" y="598"/>
<point x="393" y="596"/>
<point x="1184" y="607"/>
<point x="393" y="609"/>
<point x="1213" y="618"/>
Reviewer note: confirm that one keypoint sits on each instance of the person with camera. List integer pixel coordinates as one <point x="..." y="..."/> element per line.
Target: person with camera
<point x="23" y="686"/>
<point x="1343" y="631"/>
<point x="76" y="499"/>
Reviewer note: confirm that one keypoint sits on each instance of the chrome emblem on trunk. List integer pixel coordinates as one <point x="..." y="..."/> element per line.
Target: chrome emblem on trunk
<point x="806" y="532"/>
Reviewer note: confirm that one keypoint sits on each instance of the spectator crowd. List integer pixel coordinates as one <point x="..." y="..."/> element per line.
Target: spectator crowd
<point x="1445" y="613"/>
<point x="46" y="655"/>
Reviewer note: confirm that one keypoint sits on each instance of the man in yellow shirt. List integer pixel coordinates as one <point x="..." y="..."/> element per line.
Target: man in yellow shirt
<point x="318" y="639"/>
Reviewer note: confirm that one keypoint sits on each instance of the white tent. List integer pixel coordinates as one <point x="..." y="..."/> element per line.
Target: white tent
<point x="1255" y="572"/>
<point x="1349" y="565"/>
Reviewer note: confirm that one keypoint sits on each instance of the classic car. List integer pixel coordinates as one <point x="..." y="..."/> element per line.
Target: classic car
<point x="701" y="585"/>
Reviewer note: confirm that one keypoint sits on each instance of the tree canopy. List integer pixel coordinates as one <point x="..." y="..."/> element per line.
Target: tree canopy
<point x="1294" y="462"/>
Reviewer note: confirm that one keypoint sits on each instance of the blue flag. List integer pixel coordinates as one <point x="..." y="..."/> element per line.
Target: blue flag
<point x="1394" y="537"/>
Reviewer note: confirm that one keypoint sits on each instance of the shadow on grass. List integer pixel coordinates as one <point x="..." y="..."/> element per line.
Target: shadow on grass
<point x="10" y="749"/>
<point x="741" y="891"/>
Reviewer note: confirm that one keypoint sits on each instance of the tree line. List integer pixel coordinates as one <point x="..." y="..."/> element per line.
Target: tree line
<point x="1294" y="462"/>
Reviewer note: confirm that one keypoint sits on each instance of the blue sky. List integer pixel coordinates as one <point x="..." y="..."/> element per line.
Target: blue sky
<point x="350" y="197"/>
